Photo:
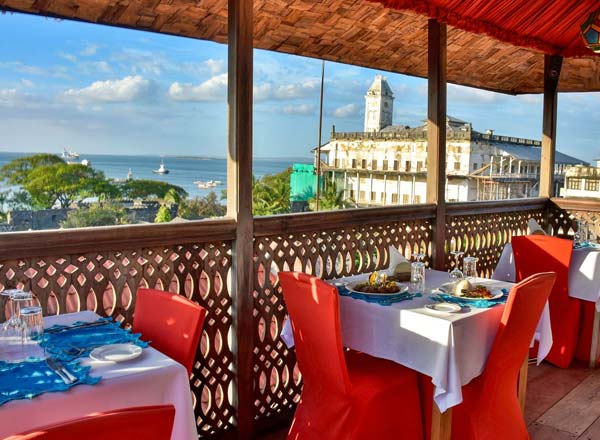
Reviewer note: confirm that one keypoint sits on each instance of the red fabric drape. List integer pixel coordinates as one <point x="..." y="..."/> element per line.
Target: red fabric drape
<point x="552" y="27"/>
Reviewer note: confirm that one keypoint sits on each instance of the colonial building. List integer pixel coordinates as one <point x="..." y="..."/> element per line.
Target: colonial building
<point x="387" y="164"/>
<point x="582" y="181"/>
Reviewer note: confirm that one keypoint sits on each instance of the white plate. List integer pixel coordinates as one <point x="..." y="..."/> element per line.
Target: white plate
<point x="116" y="352"/>
<point x="444" y="307"/>
<point x="402" y="290"/>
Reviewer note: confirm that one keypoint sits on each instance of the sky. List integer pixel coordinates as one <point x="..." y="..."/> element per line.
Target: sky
<point x="105" y="90"/>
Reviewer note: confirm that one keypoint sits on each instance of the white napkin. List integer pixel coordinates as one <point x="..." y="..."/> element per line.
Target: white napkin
<point x="395" y="258"/>
<point x="534" y="227"/>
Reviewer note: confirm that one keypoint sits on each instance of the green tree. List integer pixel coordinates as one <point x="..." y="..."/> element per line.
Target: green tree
<point x="66" y="183"/>
<point x="13" y="200"/>
<point x="17" y="171"/>
<point x="199" y="207"/>
<point x="172" y="196"/>
<point x="163" y="215"/>
<point x="146" y="188"/>
<point x="271" y="194"/>
<point x="331" y="199"/>
<point x="96" y="215"/>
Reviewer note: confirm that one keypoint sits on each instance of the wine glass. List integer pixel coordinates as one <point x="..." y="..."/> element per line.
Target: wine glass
<point x="470" y="268"/>
<point x="417" y="277"/>
<point x="456" y="274"/>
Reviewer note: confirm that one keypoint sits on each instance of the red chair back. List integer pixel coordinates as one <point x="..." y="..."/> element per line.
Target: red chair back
<point x="170" y="322"/>
<point x="539" y="253"/>
<point x="313" y="308"/>
<point x="146" y="422"/>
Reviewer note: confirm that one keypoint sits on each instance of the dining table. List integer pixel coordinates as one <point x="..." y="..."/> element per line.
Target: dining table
<point x="449" y="347"/>
<point x="584" y="276"/>
<point x="150" y="379"/>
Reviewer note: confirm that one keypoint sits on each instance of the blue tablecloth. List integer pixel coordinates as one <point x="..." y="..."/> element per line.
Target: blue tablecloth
<point x="27" y="379"/>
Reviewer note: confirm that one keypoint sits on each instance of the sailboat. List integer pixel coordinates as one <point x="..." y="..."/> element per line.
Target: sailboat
<point x="161" y="169"/>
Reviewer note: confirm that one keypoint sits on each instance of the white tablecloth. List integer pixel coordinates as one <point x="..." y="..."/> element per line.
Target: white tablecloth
<point x="450" y="348"/>
<point x="584" y="272"/>
<point x="151" y="379"/>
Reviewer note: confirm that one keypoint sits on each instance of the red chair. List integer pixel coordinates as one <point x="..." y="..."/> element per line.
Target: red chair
<point x="538" y="253"/>
<point x="490" y="409"/>
<point x="145" y="422"/>
<point x="346" y="395"/>
<point x="170" y="322"/>
<point x="585" y="336"/>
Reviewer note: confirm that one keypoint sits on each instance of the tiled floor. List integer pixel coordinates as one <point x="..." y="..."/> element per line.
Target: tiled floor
<point x="561" y="404"/>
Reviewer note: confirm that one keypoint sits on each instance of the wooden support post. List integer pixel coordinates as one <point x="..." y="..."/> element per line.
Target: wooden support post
<point x="522" y="385"/>
<point x="239" y="206"/>
<point x="441" y="423"/>
<point x="595" y="335"/>
<point x="552" y="66"/>
<point x="436" y="137"/>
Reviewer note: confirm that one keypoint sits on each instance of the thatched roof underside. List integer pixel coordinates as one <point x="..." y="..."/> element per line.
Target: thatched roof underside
<point x="357" y="32"/>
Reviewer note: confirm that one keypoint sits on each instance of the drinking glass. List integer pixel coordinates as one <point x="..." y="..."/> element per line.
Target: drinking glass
<point x="470" y="267"/>
<point x="456" y="274"/>
<point x="33" y="323"/>
<point x="12" y="322"/>
<point x="417" y="277"/>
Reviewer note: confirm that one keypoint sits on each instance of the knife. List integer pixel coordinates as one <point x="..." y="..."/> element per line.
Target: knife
<point x="60" y="371"/>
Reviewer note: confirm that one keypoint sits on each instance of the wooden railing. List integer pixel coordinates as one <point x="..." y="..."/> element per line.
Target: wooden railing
<point x="100" y="269"/>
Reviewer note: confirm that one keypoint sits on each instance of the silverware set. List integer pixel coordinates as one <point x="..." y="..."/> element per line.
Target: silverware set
<point x="61" y="371"/>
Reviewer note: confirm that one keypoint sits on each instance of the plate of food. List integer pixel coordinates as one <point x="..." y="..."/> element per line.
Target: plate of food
<point x="377" y="284"/>
<point x="468" y="292"/>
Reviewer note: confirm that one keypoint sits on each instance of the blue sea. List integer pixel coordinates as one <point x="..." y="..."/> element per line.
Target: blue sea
<point x="183" y="170"/>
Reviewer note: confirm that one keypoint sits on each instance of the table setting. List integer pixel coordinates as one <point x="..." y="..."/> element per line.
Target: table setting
<point x="438" y="323"/>
<point x="67" y="366"/>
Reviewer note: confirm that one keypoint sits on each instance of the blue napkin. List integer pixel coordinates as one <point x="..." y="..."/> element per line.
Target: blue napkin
<point x="586" y="244"/>
<point x="27" y="379"/>
<point x="67" y="344"/>
<point x="378" y="299"/>
<point x="479" y="304"/>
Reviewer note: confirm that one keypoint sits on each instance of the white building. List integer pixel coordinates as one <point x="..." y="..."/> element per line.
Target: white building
<point x="582" y="181"/>
<point x="387" y="164"/>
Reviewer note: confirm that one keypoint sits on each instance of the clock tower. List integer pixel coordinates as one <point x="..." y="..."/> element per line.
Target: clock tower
<point x="379" y="105"/>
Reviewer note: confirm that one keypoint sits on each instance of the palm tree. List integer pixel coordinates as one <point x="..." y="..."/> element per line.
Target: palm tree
<point x="331" y="199"/>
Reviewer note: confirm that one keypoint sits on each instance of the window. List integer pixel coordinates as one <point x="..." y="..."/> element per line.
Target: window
<point x="396" y="165"/>
<point x="417" y="199"/>
<point x="364" y="164"/>
<point x="456" y="166"/>
<point x="353" y="163"/>
<point x="385" y="165"/>
<point x="574" y="183"/>
<point x="362" y="196"/>
<point x="336" y="163"/>
<point x="407" y="166"/>
<point x="474" y="166"/>
<point x="394" y="198"/>
<point x="383" y="197"/>
<point x="373" y="196"/>
<point x="512" y="169"/>
<point x="405" y="199"/>
<point x="592" y="185"/>
<point x="352" y="194"/>
<point x="419" y="166"/>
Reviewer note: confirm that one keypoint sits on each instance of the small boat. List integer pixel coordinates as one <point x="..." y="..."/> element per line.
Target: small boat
<point x="69" y="155"/>
<point x="208" y="184"/>
<point x="161" y="169"/>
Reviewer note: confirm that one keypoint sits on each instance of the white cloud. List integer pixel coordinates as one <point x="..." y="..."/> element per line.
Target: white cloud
<point x="68" y="56"/>
<point x="89" y="50"/>
<point x="346" y="111"/>
<point x="101" y="66"/>
<point x="8" y="97"/>
<point x="130" y="88"/>
<point x="215" y="66"/>
<point x="266" y="91"/>
<point x="469" y="94"/>
<point x="213" y="89"/>
<point x="18" y="66"/>
<point x="26" y="83"/>
<point x="302" y="109"/>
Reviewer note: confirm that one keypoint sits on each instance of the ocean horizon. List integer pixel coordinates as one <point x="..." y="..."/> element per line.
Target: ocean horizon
<point x="183" y="169"/>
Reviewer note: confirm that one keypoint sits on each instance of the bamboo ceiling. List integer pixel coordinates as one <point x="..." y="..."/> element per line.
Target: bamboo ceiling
<point x="358" y="32"/>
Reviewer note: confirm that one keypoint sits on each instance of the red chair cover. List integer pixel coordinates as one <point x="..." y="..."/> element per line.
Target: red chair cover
<point x="171" y="323"/>
<point x="145" y="422"/>
<point x="348" y="396"/>
<point x="539" y="253"/>
<point x="490" y="408"/>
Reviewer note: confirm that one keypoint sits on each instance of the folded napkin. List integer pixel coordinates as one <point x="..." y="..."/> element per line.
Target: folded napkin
<point x="534" y="228"/>
<point x="399" y="266"/>
<point x="30" y="378"/>
<point x="479" y="304"/>
<point x="66" y="343"/>
<point x="384" y="300"/>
